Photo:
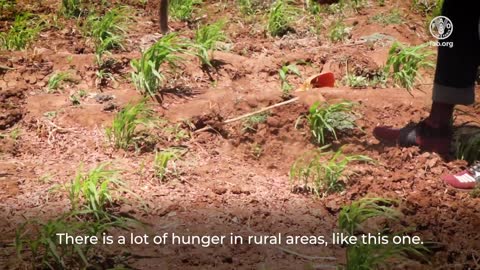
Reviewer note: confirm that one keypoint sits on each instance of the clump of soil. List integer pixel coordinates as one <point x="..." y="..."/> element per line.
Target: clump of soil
<point x="10" y="105"/>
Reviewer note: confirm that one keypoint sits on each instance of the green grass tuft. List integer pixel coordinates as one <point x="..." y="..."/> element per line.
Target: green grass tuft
<point x="124" y="126"/>
<point x="357" y="5"/>
<point x="7" y="7"/>
<point x="281" y="17"/>
<point x="353" y="216"/>
<point x="314" y="7"/>
<point x="430" y="8"/>
<point x="360" y="256"/>
<point x="251" y="123"/>
<point x="39" y="241"/>
<point x="56" y="80"/>
<point x="403" y="63"/>
<point x="146" y="74"/>
<point x="164" y="162"/>
<point x="468" y="148"/>
<point x="339" y="32"/>
<point x="108" y="31"/>
<point x="355" y="81"/>
<point x="392" y="17"/>
<point x="325" y="119"/>
<point x="24" y="30"/>
<point x="71" y="8"/>
<point x="283" y="73"/>
<point x="206" y="39"/>
<point x="91" y="192"/>
<point x="323" y="172"/>
<point x="183" y="9"/>
<point x="246" y="7"/>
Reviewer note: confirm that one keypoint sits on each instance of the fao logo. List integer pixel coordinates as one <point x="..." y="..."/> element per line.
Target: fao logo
<point x="441" y="27"/>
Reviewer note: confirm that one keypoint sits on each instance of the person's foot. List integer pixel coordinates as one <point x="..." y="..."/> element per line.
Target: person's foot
<point x="466" y="179"/>
<point x="428" y="138"/>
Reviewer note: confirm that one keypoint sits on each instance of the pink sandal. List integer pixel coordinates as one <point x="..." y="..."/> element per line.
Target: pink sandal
<point x="466" y="179"/>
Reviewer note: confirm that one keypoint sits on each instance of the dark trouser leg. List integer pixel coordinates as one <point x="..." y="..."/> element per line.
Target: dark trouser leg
<point x="457" y="66"/>
<point x="454" y="82"/>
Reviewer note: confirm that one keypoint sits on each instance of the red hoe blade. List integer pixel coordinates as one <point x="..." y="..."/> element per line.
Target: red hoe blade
<point x="326" y="79"/>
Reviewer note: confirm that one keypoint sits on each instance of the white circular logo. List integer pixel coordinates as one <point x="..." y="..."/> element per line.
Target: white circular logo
<point x="441" y="27"/>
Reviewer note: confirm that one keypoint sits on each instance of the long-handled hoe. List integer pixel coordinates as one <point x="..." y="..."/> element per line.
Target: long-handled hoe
<point x="325" y="79"/>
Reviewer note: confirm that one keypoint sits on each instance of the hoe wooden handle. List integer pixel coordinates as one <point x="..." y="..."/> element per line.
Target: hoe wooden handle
<point x="250" y="114"/>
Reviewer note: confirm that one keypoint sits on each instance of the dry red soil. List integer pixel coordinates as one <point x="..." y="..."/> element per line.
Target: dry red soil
<point x="224" y="184"/>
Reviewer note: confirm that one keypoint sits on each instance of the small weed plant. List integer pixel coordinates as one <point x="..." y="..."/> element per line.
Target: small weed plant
<point x="325" y="119"/>
<point x="428" y="7"/>
<point x="392" y="17"/>
<point x="91" y="191"/>
<point x="280" y="18"/>
<point x="403" y="63"/>
<point x="175" y="132"/>
<point x="125" y="124"/>
<point x="379" y="79"/>
<point x="183" y="9"/>
<point x="353" y="216"/>
<point x="283" y="73"/>
<point x="322" y="172"/>
<point x="374" y="79"/>
<point x="108" y="31"/>
<point x="14" y="134"/>
<point x="250" y="124"/>
<point x="352" y="220"/>
<point x="24" y="30"/>
<point x="37" y="244"/>
<point x="7" y="7"/>
<point x="76" y="98"/>
<point x="355" y="81"/>
<point x="337" y="9"/>
<point x="71" y="8"/>
<point x="165" y="163"/>
<point x="475" y="193"/>
<point x="313" y="7"/>
<point x="39" y="241"/>
<point x="357" y="5"/>
<point x="339" y="32"/>
<point x="246" y="7"/>
<point x="51" y="114"/>
<point x="7" y="4"/>
<point x="57" y="79"/>
<point x="146" y="74"/>
<point x="206" y="39"/>
<point x="468" y="148"/>
<point x="104" y="73"/>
